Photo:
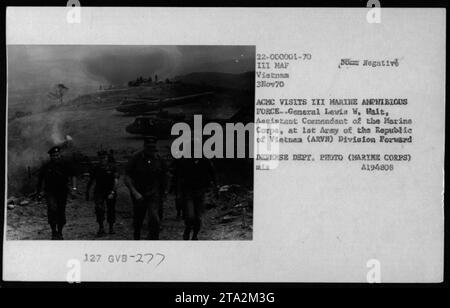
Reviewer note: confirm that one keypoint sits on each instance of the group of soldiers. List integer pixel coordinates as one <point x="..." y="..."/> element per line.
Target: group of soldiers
<point x="146" y="177"/>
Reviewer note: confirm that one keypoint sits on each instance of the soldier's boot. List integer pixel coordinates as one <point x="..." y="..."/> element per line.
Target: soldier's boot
<point x="153" y="237"/>
<point x="179" y="207"/>
<point x="111" y="229"/>
<point x="137" y="234"/>
<point x="153" y="232"/>
<point x="195" y="236"/>
<point x="54" y="232"/>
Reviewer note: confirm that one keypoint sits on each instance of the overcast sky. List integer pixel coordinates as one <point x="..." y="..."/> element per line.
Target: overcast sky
<point x="85" y="66"/>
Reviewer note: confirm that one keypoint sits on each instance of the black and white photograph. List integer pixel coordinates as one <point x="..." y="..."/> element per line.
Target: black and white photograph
<point x="224" y="144"/>
<point x="89" y="142"/>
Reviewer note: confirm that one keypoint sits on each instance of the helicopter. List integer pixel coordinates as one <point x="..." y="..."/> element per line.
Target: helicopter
<point x="160" y="124"/>
<point x="143" y="105"/>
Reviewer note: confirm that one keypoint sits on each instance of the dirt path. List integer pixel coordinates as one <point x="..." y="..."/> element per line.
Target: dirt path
<point x="29" y="222"/>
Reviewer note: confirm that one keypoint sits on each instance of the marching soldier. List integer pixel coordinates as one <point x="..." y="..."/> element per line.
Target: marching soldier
<point x="54" y="175"/>
<point x="174" y="189"/>
<point x="106" y="178"/>
<point x="145" y="177"/>
<point x="192" y="178"/>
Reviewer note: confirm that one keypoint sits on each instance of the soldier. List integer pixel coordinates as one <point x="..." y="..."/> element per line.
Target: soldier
<point x="192" y="178"/>
<point x="111" y="158"/>
<point x="106" y="178"/>
<point x="145" y="177"/>
<point x="55" y="175"/>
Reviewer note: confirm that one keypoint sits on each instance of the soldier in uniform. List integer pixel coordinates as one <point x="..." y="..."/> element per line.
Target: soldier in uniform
<point x="111" y="158"/>
<point x="54" y="175"/>
<point x="145" y="177"/>
<point x="192" y="177"/>
<point x="106" y="178"/>
<point x="175" y="190"/>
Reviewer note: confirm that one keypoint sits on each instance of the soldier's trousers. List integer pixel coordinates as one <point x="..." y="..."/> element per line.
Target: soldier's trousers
<point x="104" y="205"/>
<point x="152" y="206"/>
<point x="193" y="208"/>
<point x="56" y="208"/>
